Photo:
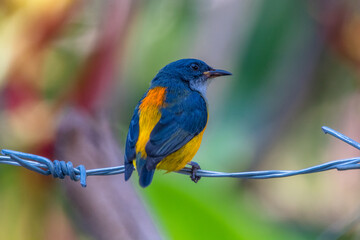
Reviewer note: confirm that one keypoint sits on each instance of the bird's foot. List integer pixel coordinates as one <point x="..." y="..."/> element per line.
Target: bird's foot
<point x="194" y="168"/>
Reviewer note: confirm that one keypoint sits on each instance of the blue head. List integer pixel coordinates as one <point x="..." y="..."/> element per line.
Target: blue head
<point x="194" y="72"/>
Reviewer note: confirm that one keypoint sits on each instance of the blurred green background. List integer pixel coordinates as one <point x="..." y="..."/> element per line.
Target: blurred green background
<point x="295" y="65"/>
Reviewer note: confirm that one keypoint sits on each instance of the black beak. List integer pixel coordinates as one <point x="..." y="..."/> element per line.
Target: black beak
<point x="216" y="73"/>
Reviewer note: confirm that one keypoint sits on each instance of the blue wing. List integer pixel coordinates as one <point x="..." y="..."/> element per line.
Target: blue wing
<point x="180" y="121"/>
<point x="132" y="137"/>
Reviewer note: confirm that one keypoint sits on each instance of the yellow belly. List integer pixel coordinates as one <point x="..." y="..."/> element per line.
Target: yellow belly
<point x="178" y="159"/>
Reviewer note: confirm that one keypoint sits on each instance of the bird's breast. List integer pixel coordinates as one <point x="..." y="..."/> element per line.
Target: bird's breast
<point x="149" y="116"/>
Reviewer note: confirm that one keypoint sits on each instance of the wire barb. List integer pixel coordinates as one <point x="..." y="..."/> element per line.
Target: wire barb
<point x="42" y="165"/>
<point x="61" y="169"/>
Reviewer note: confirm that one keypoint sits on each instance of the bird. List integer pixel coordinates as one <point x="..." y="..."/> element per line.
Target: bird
<point x="168" y="123"/>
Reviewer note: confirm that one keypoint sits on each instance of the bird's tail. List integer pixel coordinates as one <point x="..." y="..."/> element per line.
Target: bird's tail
<point x="145" y="175"/>
<point x="129" y="168"/>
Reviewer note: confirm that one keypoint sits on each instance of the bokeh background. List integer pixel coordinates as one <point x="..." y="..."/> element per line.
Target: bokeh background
<point x="71" y="73"/>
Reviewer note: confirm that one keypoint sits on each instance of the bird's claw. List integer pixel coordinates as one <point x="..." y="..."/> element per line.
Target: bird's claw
<point x="194" y="168"/>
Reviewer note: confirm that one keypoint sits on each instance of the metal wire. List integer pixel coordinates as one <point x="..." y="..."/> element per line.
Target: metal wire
<point x="61" y="169"/>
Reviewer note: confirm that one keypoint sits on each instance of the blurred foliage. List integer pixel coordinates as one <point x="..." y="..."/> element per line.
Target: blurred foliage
<point x="213" y="211"/>
<point x="296" y="67"/>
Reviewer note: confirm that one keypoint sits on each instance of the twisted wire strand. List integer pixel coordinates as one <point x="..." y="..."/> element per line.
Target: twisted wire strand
<point x="61" y="169"/>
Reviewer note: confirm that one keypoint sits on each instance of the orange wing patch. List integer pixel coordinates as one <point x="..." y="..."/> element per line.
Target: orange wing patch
<point x="149" y="115"/>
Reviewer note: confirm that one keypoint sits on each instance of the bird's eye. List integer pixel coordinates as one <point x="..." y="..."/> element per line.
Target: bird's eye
<point x="194" y="66"/>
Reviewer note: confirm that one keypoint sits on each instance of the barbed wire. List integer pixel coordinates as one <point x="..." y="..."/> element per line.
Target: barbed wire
<point x="61" y="169"/>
